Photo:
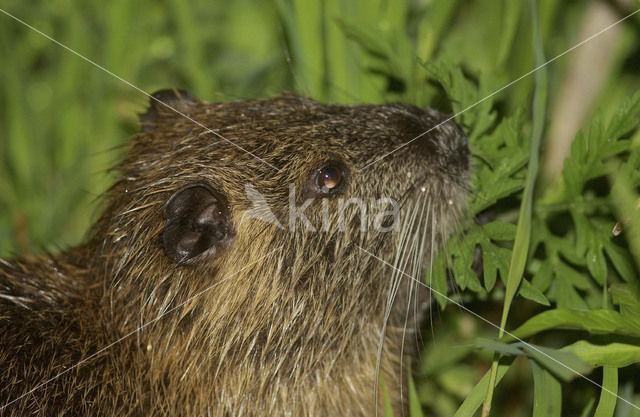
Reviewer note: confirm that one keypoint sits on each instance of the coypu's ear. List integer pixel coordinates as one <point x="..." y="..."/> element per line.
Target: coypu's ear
<point x="197" y="221"/>
<point x="179" y="100"/>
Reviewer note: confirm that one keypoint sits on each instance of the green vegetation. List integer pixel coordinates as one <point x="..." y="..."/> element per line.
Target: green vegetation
<point x="554" y="274"/>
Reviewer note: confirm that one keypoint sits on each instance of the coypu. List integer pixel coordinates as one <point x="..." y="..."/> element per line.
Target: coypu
<point x="181" y="304"/>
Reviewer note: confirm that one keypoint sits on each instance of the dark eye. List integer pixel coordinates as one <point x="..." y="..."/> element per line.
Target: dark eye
<point x="328" y="179"/>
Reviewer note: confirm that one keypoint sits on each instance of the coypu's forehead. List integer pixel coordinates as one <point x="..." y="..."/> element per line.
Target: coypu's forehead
<point x="367" y="128"/>
<point x="277" y="129"/>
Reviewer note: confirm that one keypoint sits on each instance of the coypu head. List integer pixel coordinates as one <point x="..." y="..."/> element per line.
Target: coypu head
<point x="248" y="220"/>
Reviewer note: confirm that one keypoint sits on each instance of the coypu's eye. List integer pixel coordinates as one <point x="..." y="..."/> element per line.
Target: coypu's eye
<point x="328" y="179"/>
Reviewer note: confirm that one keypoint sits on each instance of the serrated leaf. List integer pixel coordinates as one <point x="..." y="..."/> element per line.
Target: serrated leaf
<point x="495" y="258"/>
<point x="489" y="267"/>
<point x="542" y="278"/>
<point x="462" y="251"/>
<point x="498" y="230"/>
<point x="502" y="257"/>
<point x="437" y="279"/>
<point x="620" y="260"/>
<point x="472" y="104"/>
<point x="625" y="118"/>
<point x="575" y="278"/>
<point x="590" y="149"/>
<point x="530" y="292"/>
<point x="370" y="38"/>
<point x="583" y="232"/>
<point x="627" y="202"/>
<point x="596" y="264"/>
<point x="496" y="189"/>
<point x="566" y="249"/>
<point x="572" y="176"/>
<point x="486" y="117"/>
<point x="615" y="148"/>
<point x="517" y="160"/>
<point x="392" y="53"/>
<point x="566" y="295"/>
<point x="627" y="297"/>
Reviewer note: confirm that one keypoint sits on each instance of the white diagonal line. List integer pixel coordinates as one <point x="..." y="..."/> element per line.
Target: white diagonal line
<point x="504" y="87"/>
<point x="498" y="327"/>
<point x="95" y="64"/>
<point x="136" y="330"/>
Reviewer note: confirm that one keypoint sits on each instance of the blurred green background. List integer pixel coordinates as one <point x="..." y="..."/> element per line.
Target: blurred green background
<point x="63" y="121"/>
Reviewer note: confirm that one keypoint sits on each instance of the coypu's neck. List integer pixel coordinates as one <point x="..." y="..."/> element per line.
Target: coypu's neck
<point x="264" y="320"/>
<point x="60" y="282"/>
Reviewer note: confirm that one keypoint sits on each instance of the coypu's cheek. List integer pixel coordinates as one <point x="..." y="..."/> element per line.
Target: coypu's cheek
<point x="197" y="221"/>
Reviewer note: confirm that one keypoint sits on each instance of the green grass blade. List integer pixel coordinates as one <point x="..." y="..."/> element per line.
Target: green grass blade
<point x="607" y="403"/>
<point x="415" y="409"/>
<point x="510" y="18"/>
<point x="523" y="232"/>
<point x="547" y="393"/>
<point x="431" y="29"/>
<point x="386" y="400"/>
<point x="473" y="401"/>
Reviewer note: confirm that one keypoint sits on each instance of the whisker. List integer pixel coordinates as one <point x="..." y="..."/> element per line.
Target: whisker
<point x="431" y="256"/>
<point x="413" y="267"/>
<point x="399" y="262"/>
<point x="425" y="232"/>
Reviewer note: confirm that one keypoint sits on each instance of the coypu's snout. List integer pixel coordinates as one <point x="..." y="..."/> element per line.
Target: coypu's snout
<point x="436" y="139"/>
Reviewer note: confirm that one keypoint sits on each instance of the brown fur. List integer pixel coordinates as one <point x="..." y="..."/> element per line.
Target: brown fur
<point x="279" y="323"/>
